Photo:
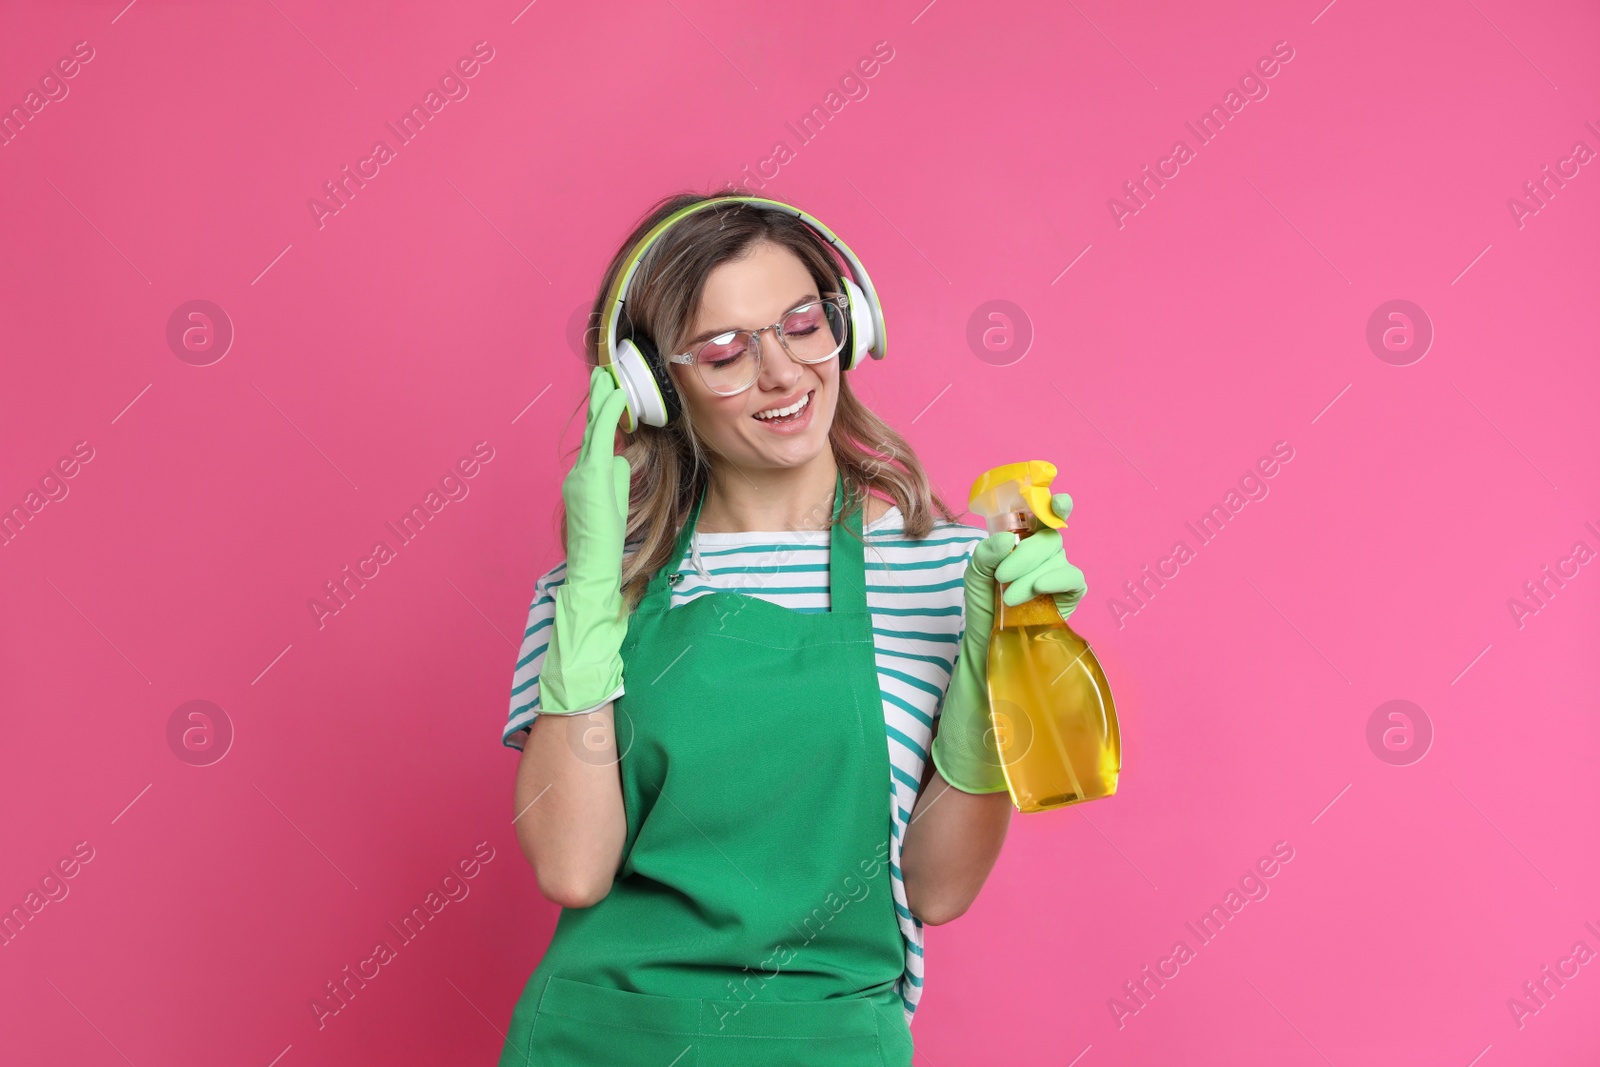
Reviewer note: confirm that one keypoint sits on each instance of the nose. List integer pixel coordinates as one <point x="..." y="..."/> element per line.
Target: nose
<point x="779" y="370"/>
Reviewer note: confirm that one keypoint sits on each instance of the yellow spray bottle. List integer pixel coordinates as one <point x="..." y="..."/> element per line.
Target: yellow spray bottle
<point x="1054" y="720"/>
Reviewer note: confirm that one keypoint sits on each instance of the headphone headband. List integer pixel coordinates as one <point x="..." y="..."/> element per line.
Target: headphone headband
<point x="620" y="358"/>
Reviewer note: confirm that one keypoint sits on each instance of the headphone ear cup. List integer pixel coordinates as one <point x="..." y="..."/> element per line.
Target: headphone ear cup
<point x="652" y="398"/>
<point x="642" y="373"/>
<point x="863" y="334"/>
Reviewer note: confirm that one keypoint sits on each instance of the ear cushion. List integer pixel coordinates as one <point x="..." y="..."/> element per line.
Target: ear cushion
<point x="665" y="388"/>
<point x="862" y="335"/>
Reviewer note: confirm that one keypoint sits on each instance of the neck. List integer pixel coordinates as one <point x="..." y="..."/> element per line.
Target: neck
<point x="771" y="499"/>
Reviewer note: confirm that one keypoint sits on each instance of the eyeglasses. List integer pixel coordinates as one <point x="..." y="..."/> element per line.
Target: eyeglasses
<point x="814" y="332"/>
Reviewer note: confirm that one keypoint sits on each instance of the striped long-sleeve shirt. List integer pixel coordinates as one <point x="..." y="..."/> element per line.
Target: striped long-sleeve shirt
<point x="915" y="593"/>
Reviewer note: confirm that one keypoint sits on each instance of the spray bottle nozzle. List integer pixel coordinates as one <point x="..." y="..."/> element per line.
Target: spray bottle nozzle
<point x="1016" y="497"/>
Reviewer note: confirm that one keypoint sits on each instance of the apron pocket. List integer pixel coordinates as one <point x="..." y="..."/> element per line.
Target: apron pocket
<point x="826" y="1033"/>
<point x="583" y="1025"/>
<point x="789" y="1052"/>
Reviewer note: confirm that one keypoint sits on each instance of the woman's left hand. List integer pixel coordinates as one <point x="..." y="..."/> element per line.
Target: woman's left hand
<point x="1036" y="565"/>
<point x="965" y="749"/>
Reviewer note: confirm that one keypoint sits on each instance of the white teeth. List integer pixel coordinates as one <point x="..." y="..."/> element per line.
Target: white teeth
<point x="790" y="410"/>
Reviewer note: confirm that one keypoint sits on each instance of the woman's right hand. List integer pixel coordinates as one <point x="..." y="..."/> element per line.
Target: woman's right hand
<point x="595" y="490"/>
<point x="583" y="666"/>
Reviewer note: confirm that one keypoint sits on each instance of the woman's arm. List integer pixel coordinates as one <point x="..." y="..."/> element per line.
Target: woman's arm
<point x="951" y="846"/>
<point x="569" y="815"/>
<point x="570" y="819"/>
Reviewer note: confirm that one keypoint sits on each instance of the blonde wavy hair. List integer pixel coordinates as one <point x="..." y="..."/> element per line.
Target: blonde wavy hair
<point x="672" y="464"/>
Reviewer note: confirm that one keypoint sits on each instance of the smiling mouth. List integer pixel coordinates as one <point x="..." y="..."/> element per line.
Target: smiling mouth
<point x="786" y="414"/>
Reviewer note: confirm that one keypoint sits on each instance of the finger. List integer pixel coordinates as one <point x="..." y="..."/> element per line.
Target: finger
<point x="1033" y="552"/>
<point x="990" y="551"/>
<point x="604" y="426"/>
<point x="1019" y="591"/>
<point x="623" y="474"/>
<point x="602" y="383"/>
<point x="1065" y="579"/>
<point x="600" y="387"/>
<point x="1062" y="504"/>
<point x="596" y="395"/>
<point x="1051" y="579"/>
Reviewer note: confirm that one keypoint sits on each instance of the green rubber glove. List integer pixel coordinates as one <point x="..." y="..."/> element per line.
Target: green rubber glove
<point x="582" y="668"/>
<point x="965" y="749"/>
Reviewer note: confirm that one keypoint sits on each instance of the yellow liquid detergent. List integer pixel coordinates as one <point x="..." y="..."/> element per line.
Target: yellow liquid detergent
<point x="1054" y="720"/>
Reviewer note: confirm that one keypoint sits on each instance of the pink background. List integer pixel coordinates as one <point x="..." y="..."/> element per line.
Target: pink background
<point x="429" y="313"/>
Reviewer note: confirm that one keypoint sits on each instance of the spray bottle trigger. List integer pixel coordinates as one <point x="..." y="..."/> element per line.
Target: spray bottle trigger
<point x="1038" y="500"/>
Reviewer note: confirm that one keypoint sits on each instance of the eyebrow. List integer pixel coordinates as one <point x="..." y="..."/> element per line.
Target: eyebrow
<point x="709" y="334"/>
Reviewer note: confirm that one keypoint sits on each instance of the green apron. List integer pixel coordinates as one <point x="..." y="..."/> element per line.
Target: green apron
<point x="751" y="923"/>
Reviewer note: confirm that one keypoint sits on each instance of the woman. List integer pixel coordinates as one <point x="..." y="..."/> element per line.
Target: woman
<point x="748" y="836"/>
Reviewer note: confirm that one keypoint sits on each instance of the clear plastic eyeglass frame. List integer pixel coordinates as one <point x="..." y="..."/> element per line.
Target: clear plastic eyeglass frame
<point x="753" y="338"/>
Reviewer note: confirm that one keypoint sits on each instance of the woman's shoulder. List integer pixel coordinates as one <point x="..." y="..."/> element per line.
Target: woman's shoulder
<point x="886" y="523"/>
<point x="878" y="507"/>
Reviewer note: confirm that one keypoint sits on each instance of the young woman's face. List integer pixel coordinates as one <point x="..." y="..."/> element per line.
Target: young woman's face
<point x="749" y="293"/>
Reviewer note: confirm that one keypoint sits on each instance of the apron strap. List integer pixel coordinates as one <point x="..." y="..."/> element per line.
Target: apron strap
<point x="847" y="577"/>
<point x="847" y="588"/>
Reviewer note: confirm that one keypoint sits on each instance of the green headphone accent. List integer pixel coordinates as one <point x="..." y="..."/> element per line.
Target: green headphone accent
<point x="638" y="367"/>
